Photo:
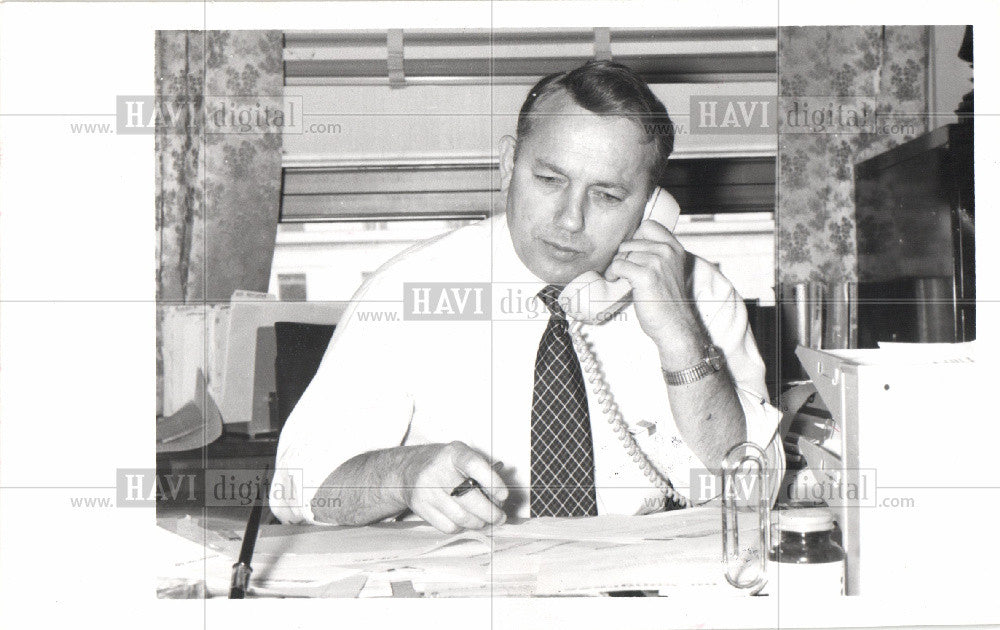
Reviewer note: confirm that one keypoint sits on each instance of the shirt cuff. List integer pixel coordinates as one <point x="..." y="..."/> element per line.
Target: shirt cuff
<point x="674" y="459"/>
<point x="763" y="420"/>
<point x="294" y="488"/>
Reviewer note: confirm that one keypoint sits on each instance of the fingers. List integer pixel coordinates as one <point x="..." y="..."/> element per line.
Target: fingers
<point x="471" y="464"/>
<point x="460" y="516"/>
<point x="452" y="514"/>
<point x="478" y="505"/>
<point x="636" y="269"/>
<point x="663" y="248"/>
<point x="437" y="519"/>
<point x="664" y="259"/>
<point x="666" y="256"/>
<point x="445" y="468"/>
<point x="653" y="231"/>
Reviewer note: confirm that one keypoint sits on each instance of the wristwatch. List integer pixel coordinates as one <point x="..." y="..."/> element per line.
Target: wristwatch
<point x="712" y="362"/>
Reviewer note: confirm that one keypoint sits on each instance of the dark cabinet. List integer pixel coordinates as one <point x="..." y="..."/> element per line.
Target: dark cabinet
<point x="916" y="240"/>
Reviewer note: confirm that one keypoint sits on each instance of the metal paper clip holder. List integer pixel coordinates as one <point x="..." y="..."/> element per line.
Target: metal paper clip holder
<point x="750" y="458"/>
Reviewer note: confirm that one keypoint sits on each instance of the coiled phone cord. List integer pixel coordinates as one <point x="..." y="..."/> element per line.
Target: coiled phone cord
<point x="592" y="368"/>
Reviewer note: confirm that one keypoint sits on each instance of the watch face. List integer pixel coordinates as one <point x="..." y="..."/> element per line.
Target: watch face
<point x="715" y="357"/>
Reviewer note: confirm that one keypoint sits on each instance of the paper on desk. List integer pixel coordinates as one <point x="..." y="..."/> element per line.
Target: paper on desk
<point x="665" y="566"/>
<point x="675" y="552"/>
<point x="679" y="552"/>
<point x="190" y="554"/>
<point x="310" y="561"/>
<point x="468" y="558"/>
<point x="355" y="545"/>
<point x="928" y="352"/>
<point x="349" y="586"/>
<point x="670" y="551"/>
<point x="184" y="562"/>
<point x="690" y="523"/>
<point x="690" y="560"/>
<point x="173" y="550"/>
<point x="894" y="353"/>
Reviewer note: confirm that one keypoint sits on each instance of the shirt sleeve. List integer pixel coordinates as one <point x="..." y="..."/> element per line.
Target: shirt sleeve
<point x="346" y="410"/>
<point x="725" y="318"/>
<point x="730" y="330"/>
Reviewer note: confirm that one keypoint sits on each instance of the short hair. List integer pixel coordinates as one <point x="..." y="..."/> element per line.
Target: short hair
<point x="612" y="89"/>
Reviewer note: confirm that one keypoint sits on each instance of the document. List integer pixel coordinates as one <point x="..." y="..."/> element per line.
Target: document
<point x="964" y="352"/>
<point x="668" y="552"/>
<point x="691" y="523"/>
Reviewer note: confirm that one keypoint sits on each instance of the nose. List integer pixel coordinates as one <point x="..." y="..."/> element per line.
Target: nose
<point x="571" y="211"/>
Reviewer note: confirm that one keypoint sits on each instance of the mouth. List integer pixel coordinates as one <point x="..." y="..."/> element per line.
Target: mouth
<point x="560" y="252"/>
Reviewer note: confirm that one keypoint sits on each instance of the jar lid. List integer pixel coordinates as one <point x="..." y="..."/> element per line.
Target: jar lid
<point x="805" y="520"/>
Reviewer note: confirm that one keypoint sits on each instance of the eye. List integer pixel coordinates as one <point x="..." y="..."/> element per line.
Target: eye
<point x="608" y="197"/>
<point x="547" y="179"/>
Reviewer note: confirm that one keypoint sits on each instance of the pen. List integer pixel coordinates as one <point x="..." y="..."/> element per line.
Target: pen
<point x="241" y="570"/>
<point x="471" y="483"/>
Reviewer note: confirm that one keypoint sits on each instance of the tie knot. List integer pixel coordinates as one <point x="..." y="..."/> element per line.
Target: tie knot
<point x="550" y="296"/>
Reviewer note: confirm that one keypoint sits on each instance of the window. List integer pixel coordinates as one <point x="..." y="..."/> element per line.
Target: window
<point x="340" y="222"/>
<point x="337" y="257"/>
<point x="741" y="244"/>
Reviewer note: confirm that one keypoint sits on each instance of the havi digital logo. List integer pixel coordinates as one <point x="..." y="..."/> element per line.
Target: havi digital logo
<point x="733" y="114"/>
<point x="439" y="301"/>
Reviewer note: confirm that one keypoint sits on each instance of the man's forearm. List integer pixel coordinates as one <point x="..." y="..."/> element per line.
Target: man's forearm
<point x="380" y="484"/>
<point x="709" y="416"/>
<point x="707" y="412"/>
<point x="364" y="489"/>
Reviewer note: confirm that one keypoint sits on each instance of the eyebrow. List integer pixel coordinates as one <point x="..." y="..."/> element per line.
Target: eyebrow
<point x="552" y="167"/>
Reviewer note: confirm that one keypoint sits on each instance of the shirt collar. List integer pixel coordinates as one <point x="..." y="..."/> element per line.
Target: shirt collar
<point x="507" y="265"/>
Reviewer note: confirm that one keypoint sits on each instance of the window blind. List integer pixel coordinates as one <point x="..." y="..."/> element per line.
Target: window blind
<point x="675" y="55"/>
<point x="463" y="189"/>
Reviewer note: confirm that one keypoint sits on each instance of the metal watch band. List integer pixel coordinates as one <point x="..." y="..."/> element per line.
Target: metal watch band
<point x="711" y="363"/>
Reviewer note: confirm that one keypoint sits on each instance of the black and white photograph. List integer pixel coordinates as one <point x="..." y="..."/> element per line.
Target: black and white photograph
<point x="556" y="313"/>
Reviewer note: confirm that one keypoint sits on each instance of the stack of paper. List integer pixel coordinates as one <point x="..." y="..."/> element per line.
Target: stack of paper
<point x="193" y="340"/>
<point x="670" y="552"/>
<point x="923" y="353"/>
<point x="193" y="353"/>
<point x="197" y="562"/>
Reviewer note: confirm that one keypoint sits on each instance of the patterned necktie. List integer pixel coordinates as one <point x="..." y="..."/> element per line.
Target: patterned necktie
<point x="562" y="451"/>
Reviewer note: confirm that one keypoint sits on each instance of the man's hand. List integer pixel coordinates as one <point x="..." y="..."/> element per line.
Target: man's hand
<point x="431" y="472"/>
<point x="655" y="269"/>
<point x="707" y="412"/>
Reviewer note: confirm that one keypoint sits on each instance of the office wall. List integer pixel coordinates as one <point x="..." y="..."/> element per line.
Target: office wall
<point x="884" y="69"/>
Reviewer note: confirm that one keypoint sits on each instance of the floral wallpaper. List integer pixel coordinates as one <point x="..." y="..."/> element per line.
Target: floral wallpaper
<point x="218" y="165"/>
<point x="846" y="93"/>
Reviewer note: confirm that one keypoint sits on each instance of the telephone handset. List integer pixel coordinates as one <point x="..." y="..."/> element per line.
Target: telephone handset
<point x="592" y="299"/>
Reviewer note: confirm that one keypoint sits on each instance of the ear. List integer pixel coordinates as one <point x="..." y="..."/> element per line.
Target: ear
<point x="507" y="146"/>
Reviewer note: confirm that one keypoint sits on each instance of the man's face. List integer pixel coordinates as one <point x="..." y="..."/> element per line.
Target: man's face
<point x="577" y="188"/>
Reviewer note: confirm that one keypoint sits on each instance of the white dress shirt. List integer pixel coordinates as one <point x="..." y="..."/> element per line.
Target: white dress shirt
<point x="388" y="379"/>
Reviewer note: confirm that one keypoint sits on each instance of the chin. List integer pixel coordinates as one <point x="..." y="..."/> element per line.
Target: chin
<point x="562" y="275"/>
<point x="561" y="280"/>
<point x="558" y="272"/>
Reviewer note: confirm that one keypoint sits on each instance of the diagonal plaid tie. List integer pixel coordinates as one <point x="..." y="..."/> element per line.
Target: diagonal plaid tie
<point x="562" y="451"/>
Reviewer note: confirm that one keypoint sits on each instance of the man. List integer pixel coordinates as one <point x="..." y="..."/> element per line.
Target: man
<point x="403" y="410"/>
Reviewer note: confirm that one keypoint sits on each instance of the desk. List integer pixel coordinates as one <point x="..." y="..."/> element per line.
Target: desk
<point x="666" y="553"/>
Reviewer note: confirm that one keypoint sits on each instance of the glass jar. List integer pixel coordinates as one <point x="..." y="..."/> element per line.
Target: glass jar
<point x="806" y="561"/>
